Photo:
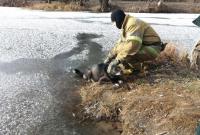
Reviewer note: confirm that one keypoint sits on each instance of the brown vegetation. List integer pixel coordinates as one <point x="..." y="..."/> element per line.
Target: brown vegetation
<point x="155" y="7"/>
<point x="101" y="6"/>
<point x="164" y="100"/>
<point x="13" y="3"/>
<point x="148" y="6"/>
<point x="57" y="6"/>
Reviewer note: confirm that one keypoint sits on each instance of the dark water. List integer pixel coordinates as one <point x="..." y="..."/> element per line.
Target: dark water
<point x="61" y="84"/>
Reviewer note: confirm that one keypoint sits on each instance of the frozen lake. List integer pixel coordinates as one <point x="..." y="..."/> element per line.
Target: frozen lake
<point x="38" y="50"/>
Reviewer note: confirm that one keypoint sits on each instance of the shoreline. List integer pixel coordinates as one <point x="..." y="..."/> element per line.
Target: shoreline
<point x="165" y="100"/>
<point x="127" y="6"/>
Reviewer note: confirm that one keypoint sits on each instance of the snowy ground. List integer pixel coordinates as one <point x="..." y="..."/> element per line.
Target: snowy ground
<point x="39" y="48"/>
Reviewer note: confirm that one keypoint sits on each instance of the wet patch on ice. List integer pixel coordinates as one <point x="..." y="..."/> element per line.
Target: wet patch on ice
<point x="95" y="53"/>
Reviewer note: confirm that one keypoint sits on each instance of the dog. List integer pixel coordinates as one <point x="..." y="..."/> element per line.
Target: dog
<point x="98" y="73"/>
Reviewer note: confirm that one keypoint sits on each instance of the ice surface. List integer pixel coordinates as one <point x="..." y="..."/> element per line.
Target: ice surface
<point x="39" y="48"/>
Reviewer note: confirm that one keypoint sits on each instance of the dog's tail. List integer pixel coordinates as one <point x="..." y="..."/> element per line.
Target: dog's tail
<point x="78" y="73"/>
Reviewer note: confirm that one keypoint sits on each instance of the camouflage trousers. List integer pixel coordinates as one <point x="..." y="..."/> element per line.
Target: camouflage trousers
<point x="195" y="64"/>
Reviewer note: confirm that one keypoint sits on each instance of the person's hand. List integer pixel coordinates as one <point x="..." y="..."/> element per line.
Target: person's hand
<point x="107" y="60"/>
<point x="112" y="66"/>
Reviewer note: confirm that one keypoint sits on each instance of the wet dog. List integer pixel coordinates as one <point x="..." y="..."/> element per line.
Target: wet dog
<point x="98" y="73"/>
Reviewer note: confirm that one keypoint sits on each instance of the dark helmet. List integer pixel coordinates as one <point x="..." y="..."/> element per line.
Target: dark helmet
<point x="118" y="17"/>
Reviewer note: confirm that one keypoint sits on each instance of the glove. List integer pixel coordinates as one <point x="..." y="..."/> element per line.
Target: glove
<point x="107" y="60"/>
<point x="112" y="66"/>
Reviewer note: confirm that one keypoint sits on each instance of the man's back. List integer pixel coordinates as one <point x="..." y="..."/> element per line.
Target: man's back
<point x="135" y="27"/>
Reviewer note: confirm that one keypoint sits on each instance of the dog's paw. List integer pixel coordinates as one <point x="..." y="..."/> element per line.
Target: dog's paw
<point x="120" y="82"/>
<point x="85" y="77"/>
<point x="74" y="71"/>
<point x="116" y="85"/>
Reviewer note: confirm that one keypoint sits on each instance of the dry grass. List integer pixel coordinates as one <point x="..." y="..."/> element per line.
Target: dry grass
<point x="164" y="101"/>
<point x="149" y="7"/>
<point x="167" y="107"/>
<point x="58" y="6"/>
<point x="175" y="55"/>
<point x="167" y="7"/>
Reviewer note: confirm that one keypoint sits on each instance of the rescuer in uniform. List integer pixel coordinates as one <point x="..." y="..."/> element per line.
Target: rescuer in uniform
<point x="138" y="43"/>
